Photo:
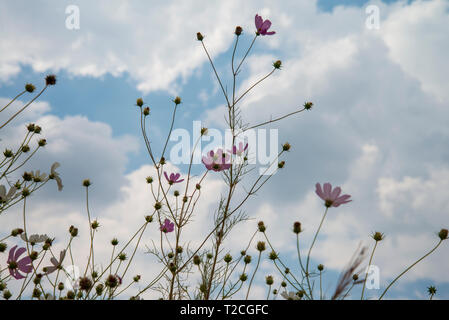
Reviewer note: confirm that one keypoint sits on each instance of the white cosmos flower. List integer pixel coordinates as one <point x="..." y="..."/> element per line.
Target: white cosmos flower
<point x="290" y="295"/>
<point x="55" y="175"/>
<point x="4" y="196"/>
<point x="34" y="238"/>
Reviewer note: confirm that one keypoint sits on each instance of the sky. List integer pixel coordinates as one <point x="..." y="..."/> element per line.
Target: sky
<point x="378" y="127"/>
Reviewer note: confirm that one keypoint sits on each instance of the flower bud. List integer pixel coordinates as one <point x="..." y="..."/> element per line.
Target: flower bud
<point x="149" y="219"/>
<point x="139" y="102"/>
<point x="227" y="258"/>
<point x="273" y="255"/>
<point x="73" y="231"/>
<point x="122" y="256"/>
<point x="261" y="226"/>
<point x="196" y="260"/>
<point x="70" y="295"/>
<point x="177" y="100"/>
<point x="8" y="153"/>
<point x="179" y="249"/>
<point x="3" y="246"/>
<point x="27" y="176"/>
<point x="149" y="180"/>
<point x="95" y="224"/>
<point x="198" y="186"/>
<point x="60" y="286"/>
<point x="320" y="267"/>
<point x="157" y="206"/>
<point x="308" y="105"/>
<point x="199" y="36"/>
<point x="277" y="64"/>
<point x="50" y="80"/>
<point x="209" y="256"/>
<point x="281" y="164"/>
<point x="297" y="227"/>
<point x="29" y="87"/>
<point x="355" y="277"/>
<point x="283" y="284"/>
<point x="269" y="280"/>
<point x="16" y="232"/>
<point x="86" y="183"/>
<point x="99" y="289"/>
<point x="85" y="283"/>
<point x="25" y="192"/>
<point x="136" y="278"/>
<point x="25" y="148"/>
<point x="443" y="234"/>
<point x="7" y="294"/>
<point x="378" y="236"/>
<point x="146" y="111"/>
<point x="261" y="246"/>
<point x="37" y="129"/>
<point x="243" y="277"/>
<point x="286" y="146"/>
<point x="176" y="193"/>
<point x="247" y="259"/>
<point x="238" y="30"/>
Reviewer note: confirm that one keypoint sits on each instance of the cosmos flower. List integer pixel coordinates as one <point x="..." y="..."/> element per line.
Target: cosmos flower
<point x="331" y="197"/>
<point x="15" y="266"/>
<point x="168" y="226"/>
<point x="55" y="175"/>
<point x="290" y="295"/>
<point x="6" y="196"/>
<point x="174" y="178"/>
<point x="263" y="26"/>
<point x="34" y="238"/>
<point x="217" y="161"/>
<point x="239" y="151"/>
<point x="55" y="263"/>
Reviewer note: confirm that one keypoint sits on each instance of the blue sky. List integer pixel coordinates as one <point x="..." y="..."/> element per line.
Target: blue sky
<point x="378" y="130"/>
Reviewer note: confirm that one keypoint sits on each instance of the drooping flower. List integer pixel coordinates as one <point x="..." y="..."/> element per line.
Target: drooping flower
<point x="217" y="161"/>
<point x="167" y="226"/>
<point x="331" y="197"/>
<point x="174" y="178"/>
<point x="290" y="295"/>
<point x="34" y="238"/>
<point x="240" y="150"/>
<point x="6" y="196"/>
<point x="55" y="175"/>
<point x="16" y="266"/>
<point x="55" y="263"/>
<point x="263" y="26"/>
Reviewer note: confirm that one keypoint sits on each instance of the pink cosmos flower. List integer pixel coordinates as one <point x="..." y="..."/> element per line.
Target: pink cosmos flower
<point x="240" y="149"/>
<point x="263" y="26"/>
<point x="168" y="226"/>
<point x="173" y="178"/>
<point x="331" y="197"/>
<point x="15" y="265"/>
<point x="217" y="161"/>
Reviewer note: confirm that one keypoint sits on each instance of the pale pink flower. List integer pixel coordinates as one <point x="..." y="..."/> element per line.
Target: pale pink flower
<point x="240" y="150"/>
<point x="217" y="161"/>
<point x="331" y="197"/>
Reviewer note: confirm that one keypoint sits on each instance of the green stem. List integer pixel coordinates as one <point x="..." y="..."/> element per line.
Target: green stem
<point x="415" y="263"/>
<point x="367" y="270"/>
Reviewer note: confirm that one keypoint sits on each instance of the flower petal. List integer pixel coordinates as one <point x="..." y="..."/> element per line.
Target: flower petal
<point x="319" y="191"/>
<point x="19" y="253"/>
<point x="335" y="193"/>
<point x="327" y="188"/>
